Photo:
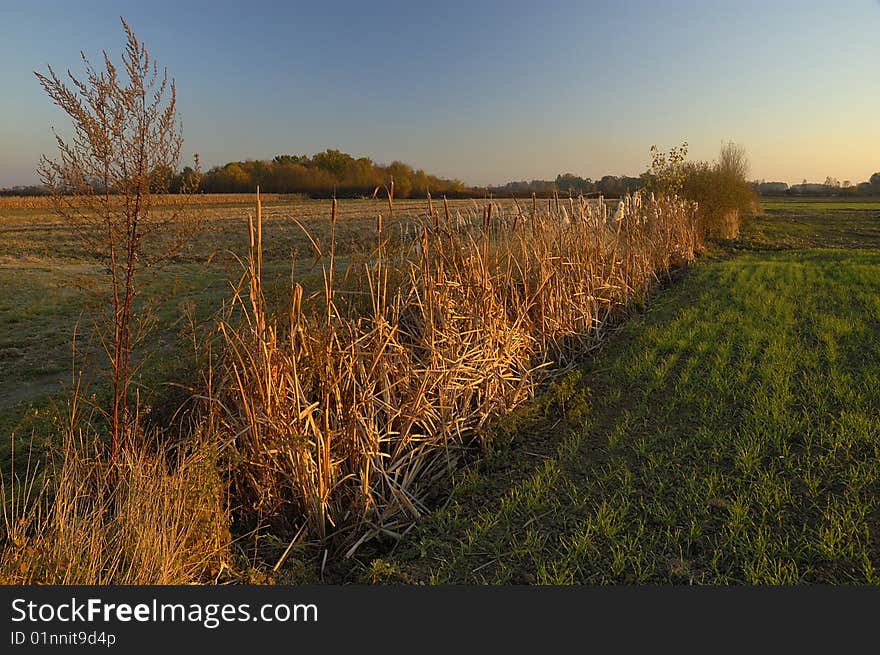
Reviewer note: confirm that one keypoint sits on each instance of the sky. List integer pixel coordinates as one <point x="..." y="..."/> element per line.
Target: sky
<point x="487" y="92"/>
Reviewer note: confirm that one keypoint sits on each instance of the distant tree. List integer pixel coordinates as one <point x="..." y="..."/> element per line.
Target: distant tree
<point x="188" y="180"/>
<point x="323" y="174"/>
<point x="571" y="183"/>
<point x="236" y="178"/>
<point x="161" y="179"/>
<point x="365" y="175"/>
<point x="334" y="162"/>
<point x="402" y="175"/>
<point x="290" y="159"/>
<point x="666" y="174"/>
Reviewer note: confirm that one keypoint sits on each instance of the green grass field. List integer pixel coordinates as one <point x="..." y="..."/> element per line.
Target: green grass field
<point x="729" y="434"/>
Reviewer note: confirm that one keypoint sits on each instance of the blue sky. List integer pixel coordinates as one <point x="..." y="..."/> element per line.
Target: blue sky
<point x="484" y="91"/>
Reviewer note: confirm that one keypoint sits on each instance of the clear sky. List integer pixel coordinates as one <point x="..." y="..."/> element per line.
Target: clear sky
<point x="484" y="91"/>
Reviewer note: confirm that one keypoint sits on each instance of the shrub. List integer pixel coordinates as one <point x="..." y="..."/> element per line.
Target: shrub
<point x="721" y="190"/>
<point x="124" y="150"/>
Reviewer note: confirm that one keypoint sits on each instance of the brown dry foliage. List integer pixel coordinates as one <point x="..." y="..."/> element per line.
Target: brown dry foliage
<point x="124" y="148"/>
<point x="336" y="422"/>
<point x="345" y="416"/>
<point x="150" y="518"/>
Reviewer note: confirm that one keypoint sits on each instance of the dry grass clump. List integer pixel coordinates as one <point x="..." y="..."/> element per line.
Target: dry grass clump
<point x="151" y="518"/>
<point x="345" y="414"/>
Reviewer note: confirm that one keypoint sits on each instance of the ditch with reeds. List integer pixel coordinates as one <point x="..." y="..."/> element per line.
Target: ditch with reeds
<point x="345" y="419"/>
<point x="337" y="417"/>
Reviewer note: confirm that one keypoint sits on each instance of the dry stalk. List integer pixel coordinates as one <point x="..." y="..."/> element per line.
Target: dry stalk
<point x="345" y="428"/>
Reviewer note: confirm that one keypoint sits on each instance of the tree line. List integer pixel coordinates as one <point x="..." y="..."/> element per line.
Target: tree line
<point x="336" y="173"/>
<point x="333" y="172"/>
<point x="569" y="183"/>
<point x="324" y="174"/>
<point x="830" y="187"/>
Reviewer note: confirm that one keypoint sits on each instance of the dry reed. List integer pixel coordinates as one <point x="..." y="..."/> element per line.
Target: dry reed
<point x="345" y="421"/>
<point x="151" y="518"/>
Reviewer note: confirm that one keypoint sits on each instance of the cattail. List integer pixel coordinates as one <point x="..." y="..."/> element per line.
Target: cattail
<point x="338" y="429"/>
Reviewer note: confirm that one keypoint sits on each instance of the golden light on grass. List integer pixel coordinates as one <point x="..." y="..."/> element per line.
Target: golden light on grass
<point x="346" y="421"/>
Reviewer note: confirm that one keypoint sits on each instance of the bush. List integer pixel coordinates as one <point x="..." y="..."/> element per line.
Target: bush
<point x="721" y="190"/>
